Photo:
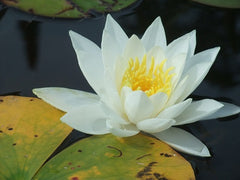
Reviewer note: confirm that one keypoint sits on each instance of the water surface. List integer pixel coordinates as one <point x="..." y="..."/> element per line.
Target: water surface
<point x="37" y="52"/>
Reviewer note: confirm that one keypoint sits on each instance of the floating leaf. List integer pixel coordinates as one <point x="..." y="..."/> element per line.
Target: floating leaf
<point x="110" y="157"/>
<point x="68" y="8"/>
<point x="221" y="3"/>
<point x="30" y="130"/>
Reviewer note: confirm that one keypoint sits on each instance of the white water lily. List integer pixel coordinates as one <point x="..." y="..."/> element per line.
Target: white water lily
<point x="141" y="85"/>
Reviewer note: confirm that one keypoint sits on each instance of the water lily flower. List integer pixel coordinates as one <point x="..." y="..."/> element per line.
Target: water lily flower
<point x="141" y="85"/>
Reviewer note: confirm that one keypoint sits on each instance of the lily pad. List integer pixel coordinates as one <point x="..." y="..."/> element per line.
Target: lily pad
<point x="68" y="8"/>
<point x="30" y="131"/>
<point x="221" y="3"/>
<point x="110" y="157"/>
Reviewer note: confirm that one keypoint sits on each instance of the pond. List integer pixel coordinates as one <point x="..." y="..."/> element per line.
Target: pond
<point x="37" y="52"/>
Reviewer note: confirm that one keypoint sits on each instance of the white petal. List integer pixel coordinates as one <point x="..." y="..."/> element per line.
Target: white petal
<point x="154" y="35"/>
<point x="175" y="110"/>
<point x="198" y="110"/>
<point x="178" y="62"/>
<point x="155" y="125"/>
<point x="89" y="119"/>
<point x="65" y="99"/>
<point x="134" y="48"/>
<point x="197" y="68"/>
<point x="159" y="101"/>
<point x="121" y="130"/>
<point x="192" y="43"/>
<point x="207" y="56"/>
<point x="90" y="61"/>
<point x="111" y="114"/>
<point x="120" y="68"/>
<point x="157" y="53"/>
<point x="178" y="46"/>
<point x="194" y="77"/>
<point x="112" y="98"/>
<point x="113" y="42"/>
<point x="138" y="106"/>
<point x="124" y="92"/>
<point x="183" y="141"/>
<point x="177" y="91"/>
<point x="227" y="110"/>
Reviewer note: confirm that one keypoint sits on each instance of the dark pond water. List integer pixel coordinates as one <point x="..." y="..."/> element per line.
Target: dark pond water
<point x="37" y="52"/>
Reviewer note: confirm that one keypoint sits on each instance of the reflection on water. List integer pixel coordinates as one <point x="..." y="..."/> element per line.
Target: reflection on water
<point x="30" y="34"/>
<point x="37" y="52"/>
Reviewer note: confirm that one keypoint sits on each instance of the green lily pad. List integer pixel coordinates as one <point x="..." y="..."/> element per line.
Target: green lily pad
<point x="113" y="158"/>
<point x="221" y="3"/>
<point x="68" y="8"/>
<point x="30" y="131"/>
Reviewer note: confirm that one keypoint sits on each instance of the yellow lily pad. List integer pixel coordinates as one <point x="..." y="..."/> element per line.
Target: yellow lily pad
<point x="113" y="158"/>
<point x="30" y="131"/>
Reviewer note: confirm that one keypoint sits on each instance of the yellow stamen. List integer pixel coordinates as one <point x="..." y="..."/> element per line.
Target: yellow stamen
<point x="150" y="80"/>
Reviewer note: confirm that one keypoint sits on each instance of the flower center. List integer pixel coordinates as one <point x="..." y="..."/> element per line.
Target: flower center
<point x="150" y="80"/>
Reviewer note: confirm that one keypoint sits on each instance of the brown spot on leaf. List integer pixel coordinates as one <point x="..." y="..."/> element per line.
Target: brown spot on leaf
<point x="10" y="129"/>
<point x="120" y="152"/>
<point x="79" y="150"/>
<point x="64" y="10"/>
<point x="35" y="135"/>
<point x="159" y="176"/>
<point x="1" y="131"/>
<point x="69" y="163"/>
<point x="152" y="143"/>
<point x="147" y="171"/>
<point x="14" y="144"/>
<point x="72" y="168"/>
<point x="31" y="100"/>
<point x="32" y="12"/>
<point x="75" y="178"/>
<point x="143" y="156"/>
<point x="1" y="100"/>
<point x="166" y="154"/>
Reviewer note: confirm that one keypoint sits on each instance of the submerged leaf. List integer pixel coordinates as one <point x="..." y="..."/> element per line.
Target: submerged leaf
<point x="111" y="157"/>
<point x="68" y="8"/>
<point x="30" y="130"/>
